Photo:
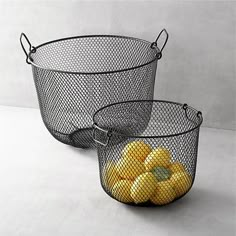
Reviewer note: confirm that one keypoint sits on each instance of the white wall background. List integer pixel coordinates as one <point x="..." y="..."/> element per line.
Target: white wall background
<point x="198" y="64"/>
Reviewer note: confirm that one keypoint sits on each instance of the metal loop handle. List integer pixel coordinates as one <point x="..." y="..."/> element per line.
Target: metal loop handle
<point x="185" y="106"/>
<point x="107" y="132"/>
<point x="31" y="48"/>
<point x="199" y="114"/>
<point x="154" y="44"/>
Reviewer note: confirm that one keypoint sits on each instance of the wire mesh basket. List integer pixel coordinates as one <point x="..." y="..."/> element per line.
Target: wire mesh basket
<point x="76" y="76"/>
<point x="152" y="161"/>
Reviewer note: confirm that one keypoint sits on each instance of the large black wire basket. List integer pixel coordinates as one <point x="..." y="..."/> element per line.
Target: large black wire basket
<point x="153" y="160"/>
<point x="76" y="76"/>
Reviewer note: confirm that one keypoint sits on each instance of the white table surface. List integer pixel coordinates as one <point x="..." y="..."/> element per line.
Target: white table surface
<point x="48" y="188"/>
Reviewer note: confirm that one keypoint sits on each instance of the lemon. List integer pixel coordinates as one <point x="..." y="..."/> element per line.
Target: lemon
<point x="161" y="173"/>
<point x="143" y="187"/>
<point x="177" y="167"/>
<point x="164" y="193"/>
<point x="121" y="191"/>
<point x="110" y="175"/>
<point x="158" y="157"/>
<point x="136" y="149"/>
<point x="181" y="182"/>
<point x="130" y="168"/>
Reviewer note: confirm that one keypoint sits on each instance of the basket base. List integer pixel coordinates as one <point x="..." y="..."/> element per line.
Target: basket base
<point x="83" y="138"/>
<point x="147" y="204"/>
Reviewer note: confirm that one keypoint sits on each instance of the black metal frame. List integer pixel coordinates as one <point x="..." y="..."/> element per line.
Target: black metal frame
<point x="110" y="133"/>
<point x="141" y="71"/>
<point x="111" y="143"/>
<point x="33" y="49"/>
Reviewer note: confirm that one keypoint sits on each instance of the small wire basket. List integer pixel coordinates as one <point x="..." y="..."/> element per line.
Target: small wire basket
<point x="151" y="161"/>
<point x="76" y="76"/>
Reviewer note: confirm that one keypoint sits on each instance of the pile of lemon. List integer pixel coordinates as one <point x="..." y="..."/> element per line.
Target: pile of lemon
<point x="143" y="175"/>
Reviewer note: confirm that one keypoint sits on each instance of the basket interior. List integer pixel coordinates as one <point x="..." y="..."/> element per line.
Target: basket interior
<point x="147" y="118"/>
<point x="94" y="54"/>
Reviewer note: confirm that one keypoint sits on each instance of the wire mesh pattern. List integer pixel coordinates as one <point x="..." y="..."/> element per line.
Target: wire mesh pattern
<point x="94" y="54"/>
<point x="74" y="77"/>
<point x="153" y="161"/>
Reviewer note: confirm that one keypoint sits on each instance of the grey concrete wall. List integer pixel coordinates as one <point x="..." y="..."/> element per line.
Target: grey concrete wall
<point x="198" y="64"/>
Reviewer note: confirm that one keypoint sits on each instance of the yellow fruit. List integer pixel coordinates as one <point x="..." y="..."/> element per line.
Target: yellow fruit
<point x="130" y="168"/>
<point x="158" y="157"/>
<point x="164" y="194"/>
<point x="110" y="175"/>
<point x="121" y="191"/>
<point x="176" y="167"/>
<point x="137" y="149"/>
<point x="144" y="187"/>
<point x="181" y="182"/>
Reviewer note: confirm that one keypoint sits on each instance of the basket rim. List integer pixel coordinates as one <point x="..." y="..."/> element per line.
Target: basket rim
<point x="198" y="114"/>
<point x="93" y="36"/>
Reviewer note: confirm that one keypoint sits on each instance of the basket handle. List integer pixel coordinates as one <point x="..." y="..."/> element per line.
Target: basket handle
<point x="154" y="44"/>
<point x="31" y="48"/>
<point x="107" y="132"/>
<point x="198" y="114"/>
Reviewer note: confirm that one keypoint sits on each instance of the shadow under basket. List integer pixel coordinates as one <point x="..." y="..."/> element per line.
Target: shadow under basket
<point x="152" y="161"/>
<point x="76" y="76"/>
